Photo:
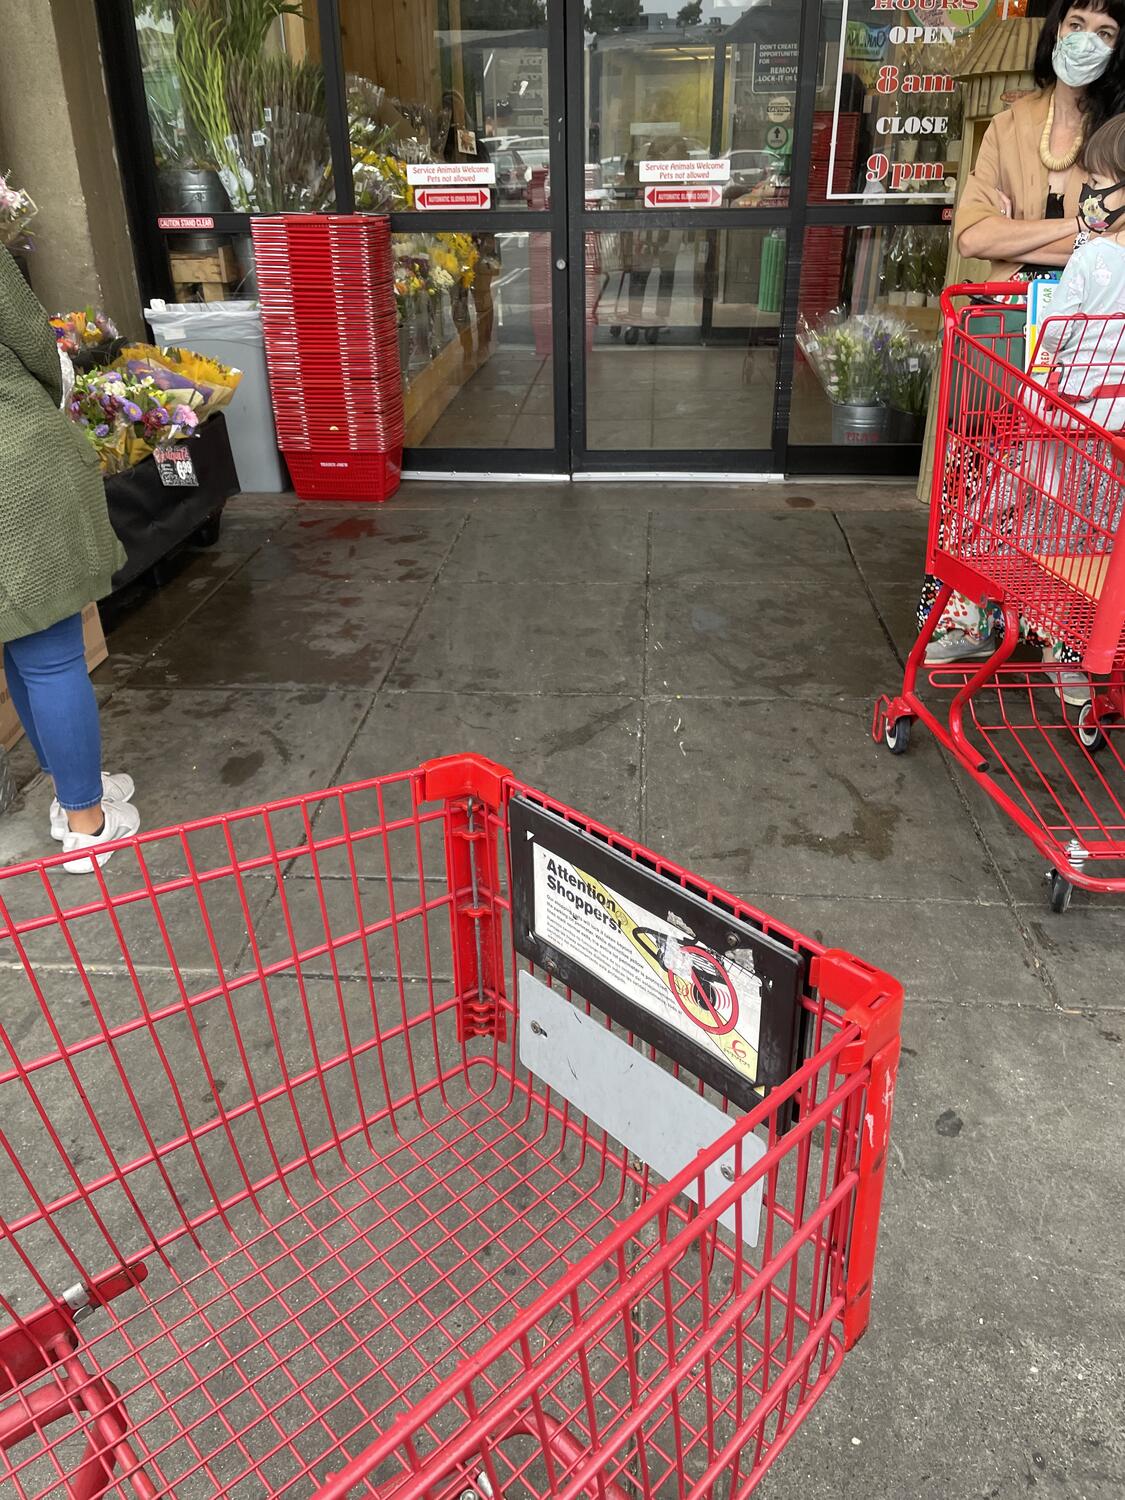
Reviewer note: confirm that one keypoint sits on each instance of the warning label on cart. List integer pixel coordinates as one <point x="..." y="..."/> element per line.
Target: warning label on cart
<point x="715" y="1001"/>
<point x="708" y="989"/>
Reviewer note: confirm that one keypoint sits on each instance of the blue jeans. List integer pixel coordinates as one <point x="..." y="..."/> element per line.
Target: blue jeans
<point x="54" y="698"/>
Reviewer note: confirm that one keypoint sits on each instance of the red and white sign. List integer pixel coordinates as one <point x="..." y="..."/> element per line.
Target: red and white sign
<point x="702" y="169"/>
<point x="710" y="196"/>
<point x="443" y="197"/>
<point x="185" y="221"/>
<point x="451" y="173"/>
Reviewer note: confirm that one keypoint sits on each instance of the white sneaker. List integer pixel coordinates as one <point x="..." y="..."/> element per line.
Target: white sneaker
<point x="117" y="788"/>
<point x="955" y="646"/>
<point x="121" y="822"/>
<point x="1073" y="688"/>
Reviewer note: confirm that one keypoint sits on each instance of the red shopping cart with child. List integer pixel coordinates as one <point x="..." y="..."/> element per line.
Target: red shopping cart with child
<point x="423" y="1139"/>
<point x="1025" y="510"/>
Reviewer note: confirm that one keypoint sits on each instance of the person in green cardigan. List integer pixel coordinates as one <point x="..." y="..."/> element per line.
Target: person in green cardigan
<point x="57" y="553"/>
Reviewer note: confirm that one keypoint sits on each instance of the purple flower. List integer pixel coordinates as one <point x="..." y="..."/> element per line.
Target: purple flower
<point x="132" y="411"/>
<point x="101" y="430"/>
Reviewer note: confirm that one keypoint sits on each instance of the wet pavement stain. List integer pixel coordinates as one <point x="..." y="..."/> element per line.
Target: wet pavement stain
<point x="238" y="769"/>
<point x="949" y="1123"/>
<point x="871" y="833"/>
<point x="576" y="738"/>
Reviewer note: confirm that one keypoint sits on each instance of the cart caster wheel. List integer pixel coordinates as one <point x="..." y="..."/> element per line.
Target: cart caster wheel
<point x="652" y="335"/>
<point x="209" y="533"/>
<point x="1060" y="892"/>
<point x="632" y="335"/>
<point x="1090" y="736"/>
<point x="896" y="736"/>
<point x="615" y="331"/>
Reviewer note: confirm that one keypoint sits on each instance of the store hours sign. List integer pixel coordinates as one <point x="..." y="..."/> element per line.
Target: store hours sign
<point x="901" y="56"/>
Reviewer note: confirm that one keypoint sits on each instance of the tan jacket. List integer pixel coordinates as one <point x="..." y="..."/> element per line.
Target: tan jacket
<point x="1008" y="162"/>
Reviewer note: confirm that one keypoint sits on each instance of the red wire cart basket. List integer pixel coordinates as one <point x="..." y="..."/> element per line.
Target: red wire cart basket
<point x="1025" y="509"/>
<point x="286" y="1211"/>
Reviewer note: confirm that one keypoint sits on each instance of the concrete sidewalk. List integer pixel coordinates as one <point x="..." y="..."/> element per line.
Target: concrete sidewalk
<point x="696" y="667"/>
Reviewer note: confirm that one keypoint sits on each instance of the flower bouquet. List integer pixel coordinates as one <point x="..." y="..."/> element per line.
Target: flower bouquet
<point x="125" y="416"/>
<point x="16" y="212"/>
<point x="910" y="369"/>
<point x="89" y="337"/>
<point x="182" y="377"/>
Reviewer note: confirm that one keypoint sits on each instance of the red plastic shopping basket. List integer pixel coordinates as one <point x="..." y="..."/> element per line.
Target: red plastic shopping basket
<point x="286" y="1212"/>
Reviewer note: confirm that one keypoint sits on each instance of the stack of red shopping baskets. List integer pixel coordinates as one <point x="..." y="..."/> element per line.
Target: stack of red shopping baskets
<point x="328" y="313"/>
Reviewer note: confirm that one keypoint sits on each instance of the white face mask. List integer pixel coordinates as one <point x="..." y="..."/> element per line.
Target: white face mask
<point x="1079" y="58"/>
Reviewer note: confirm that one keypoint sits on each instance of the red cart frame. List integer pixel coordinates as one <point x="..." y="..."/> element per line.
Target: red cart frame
<point x="1024" y="512"/>
<point x="283" y="1214"/>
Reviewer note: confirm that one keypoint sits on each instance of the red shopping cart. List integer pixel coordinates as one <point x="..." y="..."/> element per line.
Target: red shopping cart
<point x="299" y="1200"/>
<point x="1024" y="515"/>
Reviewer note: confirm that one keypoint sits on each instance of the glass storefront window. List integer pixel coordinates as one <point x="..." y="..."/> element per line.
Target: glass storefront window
<point x="460" y="83"/>
<point x="236" y="105"/>
<point x="869" y="323"/>
<point x="681" y="337"/>
<point x="699" y="97"/>
<point x="476" y="339"/>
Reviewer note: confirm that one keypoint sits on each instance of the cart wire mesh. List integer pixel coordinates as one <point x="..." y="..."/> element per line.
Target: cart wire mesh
<point x="1029" y="495"/>
<point x="282" y="1212"/>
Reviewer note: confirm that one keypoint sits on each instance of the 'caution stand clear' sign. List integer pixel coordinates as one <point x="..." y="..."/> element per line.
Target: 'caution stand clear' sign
<point x="707" y="990"/>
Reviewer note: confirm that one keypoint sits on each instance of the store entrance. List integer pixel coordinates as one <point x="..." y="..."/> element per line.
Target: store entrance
<point x="681" y="214"/>
<point x="612" y="220"/>
<point x="621" y="296"/>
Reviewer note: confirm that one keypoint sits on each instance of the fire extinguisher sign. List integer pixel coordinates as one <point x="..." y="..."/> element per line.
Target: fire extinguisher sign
<point x="707" y="990"/>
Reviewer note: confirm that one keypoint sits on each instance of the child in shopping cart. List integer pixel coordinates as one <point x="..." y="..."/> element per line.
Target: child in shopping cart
<point x="1087" y="358"/>
<point x="1081" y="357"/>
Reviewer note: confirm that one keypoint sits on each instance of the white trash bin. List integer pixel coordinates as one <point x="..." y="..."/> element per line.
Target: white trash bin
<point x="231" y="332"/>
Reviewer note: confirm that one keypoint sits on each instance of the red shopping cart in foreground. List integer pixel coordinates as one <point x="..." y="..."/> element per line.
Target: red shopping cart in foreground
<point x="299" y="1200"/>
<point x="1025" y="509"/>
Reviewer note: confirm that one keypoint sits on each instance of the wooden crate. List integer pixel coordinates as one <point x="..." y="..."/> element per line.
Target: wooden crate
<point x="214" y="273"/>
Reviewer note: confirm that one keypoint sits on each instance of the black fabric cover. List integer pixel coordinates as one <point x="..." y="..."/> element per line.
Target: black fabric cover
<point x="150" y="519"/>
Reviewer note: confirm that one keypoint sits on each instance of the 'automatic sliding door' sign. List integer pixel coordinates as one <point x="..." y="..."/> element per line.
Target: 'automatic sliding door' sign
<point x="707" y="990"/>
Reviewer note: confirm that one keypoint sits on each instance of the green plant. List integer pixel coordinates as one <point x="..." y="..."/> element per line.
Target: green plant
<point x="199" y="54"/>
<point x="259" y="113"/>
<point x="278" y="125"/>
<point x="909" y="373"/>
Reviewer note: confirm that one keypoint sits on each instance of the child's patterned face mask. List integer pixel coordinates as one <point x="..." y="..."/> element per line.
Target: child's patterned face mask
<point x="1092" y="210"/>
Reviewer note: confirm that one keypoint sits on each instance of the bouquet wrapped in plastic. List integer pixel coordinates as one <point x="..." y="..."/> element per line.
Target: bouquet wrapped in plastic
<point x="911" y="362"/>
<point x="16" y="212"/>
<point x="854" y="355"/>
<point x="183" y="377"/>
<point x="125" y="416"/>
<point x="146" y="397"/>
<point x="88" y="337"/>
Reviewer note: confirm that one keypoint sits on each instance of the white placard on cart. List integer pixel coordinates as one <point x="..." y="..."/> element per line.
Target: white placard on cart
<point x="451" y="173"/>
<point x="703" y="169"/>
<point x="657" y="1117"/>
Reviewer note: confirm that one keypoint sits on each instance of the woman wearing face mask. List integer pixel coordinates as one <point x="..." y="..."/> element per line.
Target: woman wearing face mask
<point x="1021" y="201"/>
<point x="1019" y="209"/>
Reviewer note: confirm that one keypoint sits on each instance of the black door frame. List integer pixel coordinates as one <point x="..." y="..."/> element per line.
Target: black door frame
<point x="566" y="221"/>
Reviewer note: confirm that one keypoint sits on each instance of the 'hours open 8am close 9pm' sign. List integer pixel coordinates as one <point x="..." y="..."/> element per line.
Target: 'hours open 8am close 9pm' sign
<point x="705" y="989"/>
